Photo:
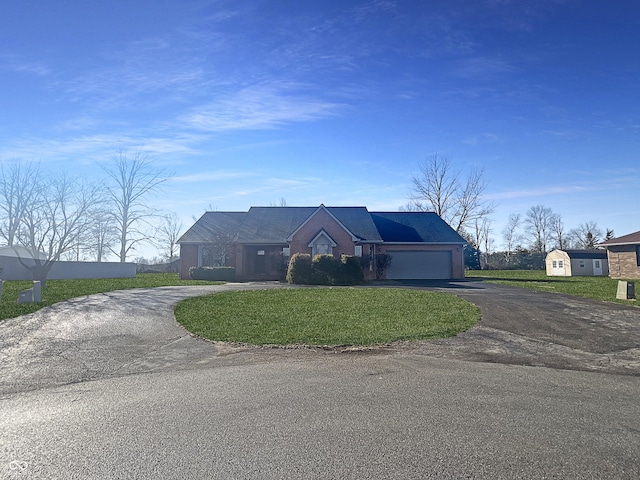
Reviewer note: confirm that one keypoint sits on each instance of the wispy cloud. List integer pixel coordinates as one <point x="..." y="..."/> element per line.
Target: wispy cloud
<point x="97" y="147"/>
<point x="567" y="133"/>
<point x="17" y="64"/>
<point x="259" y="107"/>
<point x="540" y="192"/>
<point x="212" y="176"/>
<point x="483" y="67"/>
<point x="483" y="138"/>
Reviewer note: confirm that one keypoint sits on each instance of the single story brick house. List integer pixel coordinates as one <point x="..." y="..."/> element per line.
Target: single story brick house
<point x="623" y="254"/>
<point x="573" y="263"/>
<point x="259" y="242"/>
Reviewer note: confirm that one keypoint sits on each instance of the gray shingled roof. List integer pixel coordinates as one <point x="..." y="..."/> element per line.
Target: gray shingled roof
<point x="631" y="239"/>
<point x="577" y="253"/>
<point x="412" y="227"/>
<point x="273" y="225"/>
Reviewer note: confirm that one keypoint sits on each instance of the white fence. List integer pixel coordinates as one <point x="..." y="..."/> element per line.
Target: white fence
<point x="12" y="269"/>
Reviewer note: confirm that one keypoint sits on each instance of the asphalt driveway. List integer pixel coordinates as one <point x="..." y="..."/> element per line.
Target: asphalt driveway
<point x="525" y="327"/>
<point x="110" y="386"/>
<point x="125" y="332"/>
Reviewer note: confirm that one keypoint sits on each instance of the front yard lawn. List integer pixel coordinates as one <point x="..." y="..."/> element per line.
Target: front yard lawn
<point x="60" y="290"/>
<point x="326" y="316"/>
<point x="597" y="288"/>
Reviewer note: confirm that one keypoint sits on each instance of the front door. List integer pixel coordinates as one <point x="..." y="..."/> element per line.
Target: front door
<point x="260" y="264"/>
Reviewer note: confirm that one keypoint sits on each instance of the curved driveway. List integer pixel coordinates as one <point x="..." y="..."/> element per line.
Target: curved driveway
<point x="110" y="386"/>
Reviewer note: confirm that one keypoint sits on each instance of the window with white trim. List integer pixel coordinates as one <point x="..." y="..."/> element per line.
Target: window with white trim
<point x="322" y="245"/>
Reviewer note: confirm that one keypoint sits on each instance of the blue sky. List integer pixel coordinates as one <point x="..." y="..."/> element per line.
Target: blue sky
<point x="334" y="102"/>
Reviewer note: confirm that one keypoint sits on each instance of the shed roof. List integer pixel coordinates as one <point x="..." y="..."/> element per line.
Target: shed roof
<point x="582" y="253"/>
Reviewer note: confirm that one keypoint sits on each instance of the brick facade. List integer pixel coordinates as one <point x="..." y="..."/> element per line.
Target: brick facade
<point x="263" y="233"/>
<point x="623" y="261"/>
<point x="188" y="259"/>
<point x="322" y="220"/>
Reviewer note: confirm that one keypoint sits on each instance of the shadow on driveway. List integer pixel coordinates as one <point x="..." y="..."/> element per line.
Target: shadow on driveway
<point x="525" y="327"/>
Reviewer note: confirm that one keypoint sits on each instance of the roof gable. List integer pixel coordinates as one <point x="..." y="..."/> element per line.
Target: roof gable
<point x="322" y="234"/>
<point x="318" y="210"/>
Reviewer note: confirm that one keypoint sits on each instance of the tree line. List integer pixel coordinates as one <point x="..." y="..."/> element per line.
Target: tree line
<point x="51" y="216"/>
<point x="459" y="200"/>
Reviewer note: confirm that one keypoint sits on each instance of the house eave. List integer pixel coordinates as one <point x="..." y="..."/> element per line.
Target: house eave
<point x="423" y="243"/>
<point x="621" y="244"/>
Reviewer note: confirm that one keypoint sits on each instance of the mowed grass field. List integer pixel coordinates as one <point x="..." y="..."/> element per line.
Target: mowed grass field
<point x="597" y="288"/>
<point x="326" y="316"/>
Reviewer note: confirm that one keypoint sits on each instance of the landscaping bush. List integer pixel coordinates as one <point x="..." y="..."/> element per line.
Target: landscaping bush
<point x="225" y="274"/>
<point x="299" y="271"/>
<point x="349" y="271"/>
<point x="324" y="269"/>
<point x="383" y="262"/>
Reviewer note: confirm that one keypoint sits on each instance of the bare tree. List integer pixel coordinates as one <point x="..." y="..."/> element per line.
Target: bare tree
<point x="169" y="234"/>
<point x="55" y="218"/>
<point x="482" y="238"/>
<point x="133" y="180"/>
<point x="19" y="187"/>
<point x="557" y="231"/>
<point x="412" y="206"/>
<point x="510" y="235"/>
<point x="282" y="202"/>
<point x="101" y="234"/>
<point x="586" y="235"/>
<point x="439" y="189"/>
<point x="215" y="253"/>
<point x="609" y="235"/>
<point x="538" y="221"/>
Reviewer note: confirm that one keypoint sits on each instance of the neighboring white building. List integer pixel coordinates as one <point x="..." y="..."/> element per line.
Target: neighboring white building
<point x="574" y="263"/>
<point x="14" y="259"/>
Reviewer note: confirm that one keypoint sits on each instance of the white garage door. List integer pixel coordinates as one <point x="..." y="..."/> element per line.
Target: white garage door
<point x="419" y="265"/>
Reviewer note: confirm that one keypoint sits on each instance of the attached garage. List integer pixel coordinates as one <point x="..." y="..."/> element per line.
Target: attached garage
<point x="420" y="265"/>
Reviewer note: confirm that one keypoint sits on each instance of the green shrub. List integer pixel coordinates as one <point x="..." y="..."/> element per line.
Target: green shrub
<point x="324" y="269"/>
<point x="213" y="273"/>
<point x="383" y="262"/>
<point x="299" y="271"/>
<point x="349" y="271"/>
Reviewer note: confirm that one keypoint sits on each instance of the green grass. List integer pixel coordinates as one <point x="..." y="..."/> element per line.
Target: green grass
<point x="59" y="290"/>
<point x="326" y="316"/>
<point x="597" y="288"/>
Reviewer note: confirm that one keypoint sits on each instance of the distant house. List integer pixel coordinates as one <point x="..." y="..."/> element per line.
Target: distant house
<point x="573" y="263"/>
<point x="624" y="256"/>
<point x="259" y="242"/>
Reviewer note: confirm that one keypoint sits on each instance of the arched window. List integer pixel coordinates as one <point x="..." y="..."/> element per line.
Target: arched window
<point x="322" y="244"/>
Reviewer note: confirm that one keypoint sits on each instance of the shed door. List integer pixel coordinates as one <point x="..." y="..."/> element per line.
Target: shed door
<point x="420" y="266"/>
<point x="597" y="267"/>
<point x="557" y="267"/>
